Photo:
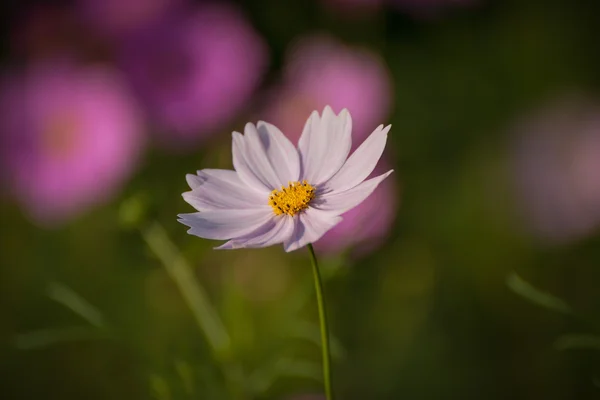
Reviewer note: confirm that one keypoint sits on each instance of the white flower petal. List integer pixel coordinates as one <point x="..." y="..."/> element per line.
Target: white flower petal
<point x="340" y="202"/>
<point x="258" y="161"/>
<point x="278" y="230"/>
<point x="225" y="224"/>
<point x="245" y="168"/>
<point x="222" y="189"/>
<point x="280" y="152"/>
<point x="361" y="163"/>
<point x="324" y="145"/>
<point x="226" y="175"/>
<point x="310" y="226"/>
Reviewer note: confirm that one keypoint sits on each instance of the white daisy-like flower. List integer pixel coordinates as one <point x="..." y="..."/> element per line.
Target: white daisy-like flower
<point x="280" y="193"/>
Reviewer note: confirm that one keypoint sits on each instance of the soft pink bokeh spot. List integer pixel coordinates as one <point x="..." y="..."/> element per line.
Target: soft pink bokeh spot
<point x="321" y="71"/>
<point x="70" y="138"/>
<point x="196" y="72"/>
<point x="558" y="169"/>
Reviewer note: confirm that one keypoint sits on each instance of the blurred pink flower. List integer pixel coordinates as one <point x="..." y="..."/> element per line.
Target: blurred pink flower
<point x="558" y="169"/>
<point x="321" y="71"/>
<point x="197" y="72"/>
<point x="70" y="138"/>
<point x="118" y="17"/>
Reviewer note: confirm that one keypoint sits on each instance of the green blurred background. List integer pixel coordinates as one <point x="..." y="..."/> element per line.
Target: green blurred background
<point x="89" y="309"/>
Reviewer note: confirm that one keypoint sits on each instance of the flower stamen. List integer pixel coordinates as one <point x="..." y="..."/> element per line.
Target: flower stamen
<point x="292" y="199"/>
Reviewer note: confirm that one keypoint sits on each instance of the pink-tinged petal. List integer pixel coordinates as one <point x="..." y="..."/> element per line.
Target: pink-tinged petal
<point x="225" y="224"/>
<point x="281" y="153"/>
<point x="310" y="225"/>
<point x="361" y="163"/>
<point x="222" y="189"/>
<point x="324" y="145"/>
<point x="244" y="168"/>
<point x="277" y="230"/>
<point x="193" y="181"/>
<point x="340" y="202"/>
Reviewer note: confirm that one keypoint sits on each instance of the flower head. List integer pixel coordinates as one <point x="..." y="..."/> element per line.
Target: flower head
<point x="280" y="193"/>
<point x="70" y="136"/>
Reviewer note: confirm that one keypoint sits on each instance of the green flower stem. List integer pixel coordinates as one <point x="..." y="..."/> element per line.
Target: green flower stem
<point x="193" y="293"/>
<point x="323" y="323"/>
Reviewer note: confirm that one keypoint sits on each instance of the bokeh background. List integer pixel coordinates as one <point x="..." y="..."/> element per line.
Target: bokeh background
<point x="473" y="273"/>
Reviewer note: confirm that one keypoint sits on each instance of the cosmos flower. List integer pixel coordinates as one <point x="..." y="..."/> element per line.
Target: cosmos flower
<point x="557" y="169"/>
<point x="320" y="71"/>
<point x="70" y="137"/>
<point x="282" y="194"/>
<point x="196" y="71"/>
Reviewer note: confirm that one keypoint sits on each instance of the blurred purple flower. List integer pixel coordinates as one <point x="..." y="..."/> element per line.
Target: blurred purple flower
<point x="558" y="169"/>
<point x="195" y="73"/>
<point x="120" y="17"/>
<point x="70" y="137"/>
<point x="321" y="71"/>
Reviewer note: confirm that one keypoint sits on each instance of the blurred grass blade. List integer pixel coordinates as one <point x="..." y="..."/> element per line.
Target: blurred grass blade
<point x="193" y="293"/>
<point x="596" y="382"/>
<point x="536" y="296"/>
<point x="578" y="341"/>
<point x="185" y="372"/>
<point x="262" y="380"/>
<point x="49" y="337"/>
<point x="159" y="388"/>
<point x="64" y="295"/>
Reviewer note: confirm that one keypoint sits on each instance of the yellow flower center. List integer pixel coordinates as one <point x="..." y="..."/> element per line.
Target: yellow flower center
<point x="292" y="199"/>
